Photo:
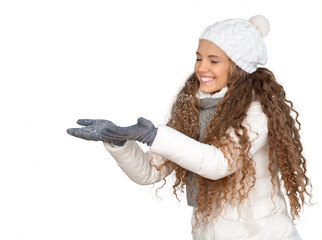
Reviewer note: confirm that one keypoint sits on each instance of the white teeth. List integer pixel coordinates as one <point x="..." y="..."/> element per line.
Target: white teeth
<point x="207" y="79"/>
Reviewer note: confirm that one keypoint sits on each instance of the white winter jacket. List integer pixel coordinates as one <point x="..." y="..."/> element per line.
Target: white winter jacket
<point x="261" y="216"/>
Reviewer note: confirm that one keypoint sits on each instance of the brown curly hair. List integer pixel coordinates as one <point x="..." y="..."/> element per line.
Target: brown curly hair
<point x="285" y="148"/>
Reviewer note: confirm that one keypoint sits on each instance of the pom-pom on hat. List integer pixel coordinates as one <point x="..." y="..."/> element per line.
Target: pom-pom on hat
<point x="241" y="40"/>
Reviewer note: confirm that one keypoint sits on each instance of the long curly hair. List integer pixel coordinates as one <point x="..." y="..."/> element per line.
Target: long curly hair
<point x="285" y="148"/>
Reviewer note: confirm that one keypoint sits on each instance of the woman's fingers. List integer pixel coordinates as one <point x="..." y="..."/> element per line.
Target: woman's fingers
<point x="74" y="132"/>
<point x="85" y="122"/>
<point x="84" y="133"/>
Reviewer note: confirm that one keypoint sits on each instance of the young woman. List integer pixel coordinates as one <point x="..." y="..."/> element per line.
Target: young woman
<point x="231" y="140"/>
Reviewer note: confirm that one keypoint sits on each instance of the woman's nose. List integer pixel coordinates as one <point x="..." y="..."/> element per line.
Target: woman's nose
<point x="203" y="67"/>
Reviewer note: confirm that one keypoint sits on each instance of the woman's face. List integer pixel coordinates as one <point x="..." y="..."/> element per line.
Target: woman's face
<point x="212" y="67"/>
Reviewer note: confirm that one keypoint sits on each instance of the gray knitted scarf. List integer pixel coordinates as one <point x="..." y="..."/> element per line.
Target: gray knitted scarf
<point x="207" y="110"/>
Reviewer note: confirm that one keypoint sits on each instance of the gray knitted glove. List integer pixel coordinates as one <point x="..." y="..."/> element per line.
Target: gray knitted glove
<point x="144" y="131"/>
<point x="92" y="131"/>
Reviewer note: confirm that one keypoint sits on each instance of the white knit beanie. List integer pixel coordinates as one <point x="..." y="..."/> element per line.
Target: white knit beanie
<point x="241" y="40"/>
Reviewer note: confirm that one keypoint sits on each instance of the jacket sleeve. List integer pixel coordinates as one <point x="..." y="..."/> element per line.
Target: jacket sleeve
<point x="142" y="167"/>
<point x="204" y="159"/>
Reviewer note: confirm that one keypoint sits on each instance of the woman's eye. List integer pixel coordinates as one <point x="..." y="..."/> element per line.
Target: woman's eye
<point x="199" y="59"/>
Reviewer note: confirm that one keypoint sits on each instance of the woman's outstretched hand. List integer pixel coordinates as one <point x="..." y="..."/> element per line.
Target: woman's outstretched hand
<point x="144" y="131"/>
<point x="92" y="130"/>
<point x="104" y="130"/>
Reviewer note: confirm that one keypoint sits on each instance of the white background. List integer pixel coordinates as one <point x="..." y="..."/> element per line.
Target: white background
<point x="65" y="60"/>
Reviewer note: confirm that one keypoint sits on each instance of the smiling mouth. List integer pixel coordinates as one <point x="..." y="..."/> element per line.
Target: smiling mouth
<point x="206" y="80"/>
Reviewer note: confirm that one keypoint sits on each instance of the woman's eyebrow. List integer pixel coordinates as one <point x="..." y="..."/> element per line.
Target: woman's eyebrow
<point x="209" y="55"/>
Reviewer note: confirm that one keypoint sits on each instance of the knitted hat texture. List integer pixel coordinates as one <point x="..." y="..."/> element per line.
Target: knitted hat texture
<point x="241" y="40"/>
